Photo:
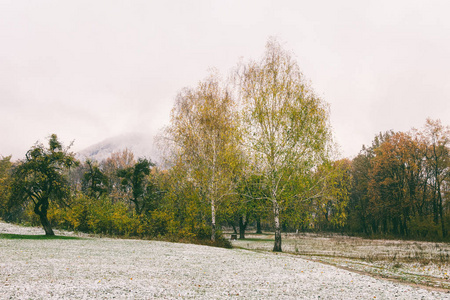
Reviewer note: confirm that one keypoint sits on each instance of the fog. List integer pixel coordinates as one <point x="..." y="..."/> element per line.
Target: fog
<point x="89" y="71"/>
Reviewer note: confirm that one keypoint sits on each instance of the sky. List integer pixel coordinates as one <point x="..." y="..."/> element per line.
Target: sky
<point x="92" y="70"/>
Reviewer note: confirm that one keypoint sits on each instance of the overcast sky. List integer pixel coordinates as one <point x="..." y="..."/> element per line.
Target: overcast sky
<point x="90" y="70"/>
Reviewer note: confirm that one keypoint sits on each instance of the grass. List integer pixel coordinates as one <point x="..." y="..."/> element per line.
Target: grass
<point x="104" y="268"/>
<point x="426" y="263"/>
<point x="10" y="236"/>
<point x="88" y="268"/>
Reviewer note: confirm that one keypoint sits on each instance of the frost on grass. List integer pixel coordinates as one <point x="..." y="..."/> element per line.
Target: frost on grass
<point x="7" y="228"/>
<point x="133" y="269"/>
<point x="416" y="262"/>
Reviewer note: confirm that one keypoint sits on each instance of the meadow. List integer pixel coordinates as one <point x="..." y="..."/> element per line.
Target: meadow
<point x="74" y="266"/>
<point x="426" y="263"/>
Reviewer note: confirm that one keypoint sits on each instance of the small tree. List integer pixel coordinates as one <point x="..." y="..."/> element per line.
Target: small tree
<point x="118" y="160"/>
<point x="94" y="182"/>
<point x="40" y="178"/>
<point x="5" y="182"/>
<point x="251" y="202"/>
<point x="331" y="194"/>
<point x="135" y="180"/>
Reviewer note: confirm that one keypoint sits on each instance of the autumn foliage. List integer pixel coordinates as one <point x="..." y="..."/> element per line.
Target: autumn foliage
<point x="253" y="154"/>
<point x="401" y="185"/>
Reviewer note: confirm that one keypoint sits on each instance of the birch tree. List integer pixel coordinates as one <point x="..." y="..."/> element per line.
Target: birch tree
<point x="285" y="125"/>
<point x="204" y="133"/>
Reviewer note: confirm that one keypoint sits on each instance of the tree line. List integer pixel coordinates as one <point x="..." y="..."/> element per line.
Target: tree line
<point x="401" y="184"/>
<point x="254" y="150"/>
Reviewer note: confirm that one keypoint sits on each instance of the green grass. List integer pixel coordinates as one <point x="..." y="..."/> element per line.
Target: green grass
<point x="10" y="236"/>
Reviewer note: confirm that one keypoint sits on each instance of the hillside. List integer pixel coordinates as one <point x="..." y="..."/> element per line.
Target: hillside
<point x="142" y="145"/>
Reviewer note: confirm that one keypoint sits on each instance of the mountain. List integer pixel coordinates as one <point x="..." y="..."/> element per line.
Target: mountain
<point x="142" y="145"/>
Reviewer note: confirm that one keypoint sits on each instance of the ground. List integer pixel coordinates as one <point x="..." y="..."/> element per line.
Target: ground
<point x="424" y="263"/>
<point x="103" y="268"/>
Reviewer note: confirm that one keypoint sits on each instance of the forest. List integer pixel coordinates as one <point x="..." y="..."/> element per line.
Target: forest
<point x="251" y="152"/>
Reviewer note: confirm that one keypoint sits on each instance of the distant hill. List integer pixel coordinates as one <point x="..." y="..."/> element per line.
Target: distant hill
<point x="142" y="145"/>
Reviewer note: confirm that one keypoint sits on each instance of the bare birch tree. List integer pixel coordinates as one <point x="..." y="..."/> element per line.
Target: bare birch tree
<point x="285" y="125"/>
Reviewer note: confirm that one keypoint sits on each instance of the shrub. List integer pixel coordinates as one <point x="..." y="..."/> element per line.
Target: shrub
<point x="424" y="228"/>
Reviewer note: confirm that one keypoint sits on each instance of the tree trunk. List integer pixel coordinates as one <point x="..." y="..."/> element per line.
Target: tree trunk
<point x="374" y="227"/>
<point x="232" y="226"/>
<point x="46" y="224"/>
<point x="276" y="213"/>
<point x="213" y="221"/>
<point x="363" y="223"/>
<point x="137" y="206"/>
<point x="242" y="226"/>
<point x="258" y="225"/>
<point x="41" y="210"/>
<point x="441" y="213"/>
<point x="435" y="208"/>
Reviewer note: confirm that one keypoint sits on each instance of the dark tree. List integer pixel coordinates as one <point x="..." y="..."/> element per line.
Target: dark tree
<point x="95" y="182"/>
<point x="5" y="182"/>
<point x="40" y="178"/>
<point x="254" y="203"/>
<point x="135" y="180"/>
<point x="437" y="139"/>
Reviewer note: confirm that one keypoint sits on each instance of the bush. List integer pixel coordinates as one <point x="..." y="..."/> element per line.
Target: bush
<point x="102" y="216"/>
<point x="219" y="242"/>
<point x="424" y="228"/>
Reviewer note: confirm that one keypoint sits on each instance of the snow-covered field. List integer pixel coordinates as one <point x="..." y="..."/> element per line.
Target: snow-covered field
<point x="425" y="263"/>
<point x="103" y="268"/>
